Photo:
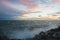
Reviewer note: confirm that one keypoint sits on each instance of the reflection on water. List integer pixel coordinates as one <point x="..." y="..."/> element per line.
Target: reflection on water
<point x="21" y="29"/>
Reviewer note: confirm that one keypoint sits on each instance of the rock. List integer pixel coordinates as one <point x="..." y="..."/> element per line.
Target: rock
<point x="4" y="38"/>
<point x="53" y="34"/>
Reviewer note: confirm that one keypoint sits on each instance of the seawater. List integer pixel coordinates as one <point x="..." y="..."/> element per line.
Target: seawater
<point x="22" y="29"/>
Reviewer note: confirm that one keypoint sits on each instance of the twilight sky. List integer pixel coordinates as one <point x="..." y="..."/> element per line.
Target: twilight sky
<point x="14" y="9"/>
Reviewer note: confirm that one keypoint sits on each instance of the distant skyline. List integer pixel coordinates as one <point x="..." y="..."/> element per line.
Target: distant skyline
<point x="15" y="9"/>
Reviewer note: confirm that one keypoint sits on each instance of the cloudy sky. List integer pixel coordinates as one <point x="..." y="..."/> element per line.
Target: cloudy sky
<point x="13" y="9"/>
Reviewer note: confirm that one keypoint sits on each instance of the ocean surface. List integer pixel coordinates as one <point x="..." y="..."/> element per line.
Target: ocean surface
<point x="22" y="29"/>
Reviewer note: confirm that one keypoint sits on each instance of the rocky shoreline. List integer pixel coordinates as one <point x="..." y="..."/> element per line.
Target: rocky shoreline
<point x="53" y="34"/>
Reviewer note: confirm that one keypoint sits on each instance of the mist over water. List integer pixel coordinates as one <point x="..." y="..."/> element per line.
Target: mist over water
<point x="21" y="29"/>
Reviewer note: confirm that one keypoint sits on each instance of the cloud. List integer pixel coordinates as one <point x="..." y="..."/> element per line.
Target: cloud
<point x="8" y="13"/>
<point x="30" y="3"/>
<point x="14" y="8"/>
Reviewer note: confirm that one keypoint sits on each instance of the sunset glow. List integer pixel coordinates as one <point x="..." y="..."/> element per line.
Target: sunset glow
<point x="18" y="9"/>
<point x="38" y="16"/>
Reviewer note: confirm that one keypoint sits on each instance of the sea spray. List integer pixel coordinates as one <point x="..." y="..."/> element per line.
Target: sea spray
<point x="27" y="29"/>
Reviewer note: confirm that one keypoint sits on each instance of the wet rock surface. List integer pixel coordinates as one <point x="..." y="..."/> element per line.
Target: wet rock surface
<point x="53" y="34"/>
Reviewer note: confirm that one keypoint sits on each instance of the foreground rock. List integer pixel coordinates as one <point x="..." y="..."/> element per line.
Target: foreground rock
<point x="53" y="34"/>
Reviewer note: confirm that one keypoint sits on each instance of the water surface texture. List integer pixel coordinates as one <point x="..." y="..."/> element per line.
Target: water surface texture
<point x="21" y="29"/>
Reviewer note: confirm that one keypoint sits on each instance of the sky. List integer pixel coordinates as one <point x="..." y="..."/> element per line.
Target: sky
<point x="15" y="9"/>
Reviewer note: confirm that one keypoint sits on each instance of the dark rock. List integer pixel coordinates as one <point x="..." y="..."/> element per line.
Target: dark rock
<point x="53" y="34"/>
<point x="4" y="38"/>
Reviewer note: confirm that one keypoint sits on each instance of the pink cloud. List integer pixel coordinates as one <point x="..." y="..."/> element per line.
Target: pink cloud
<point x="54" y="2"/>
<point x="30" y="4"/>
<point x="27" y="2"/>
<point x="7" y="4"/>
